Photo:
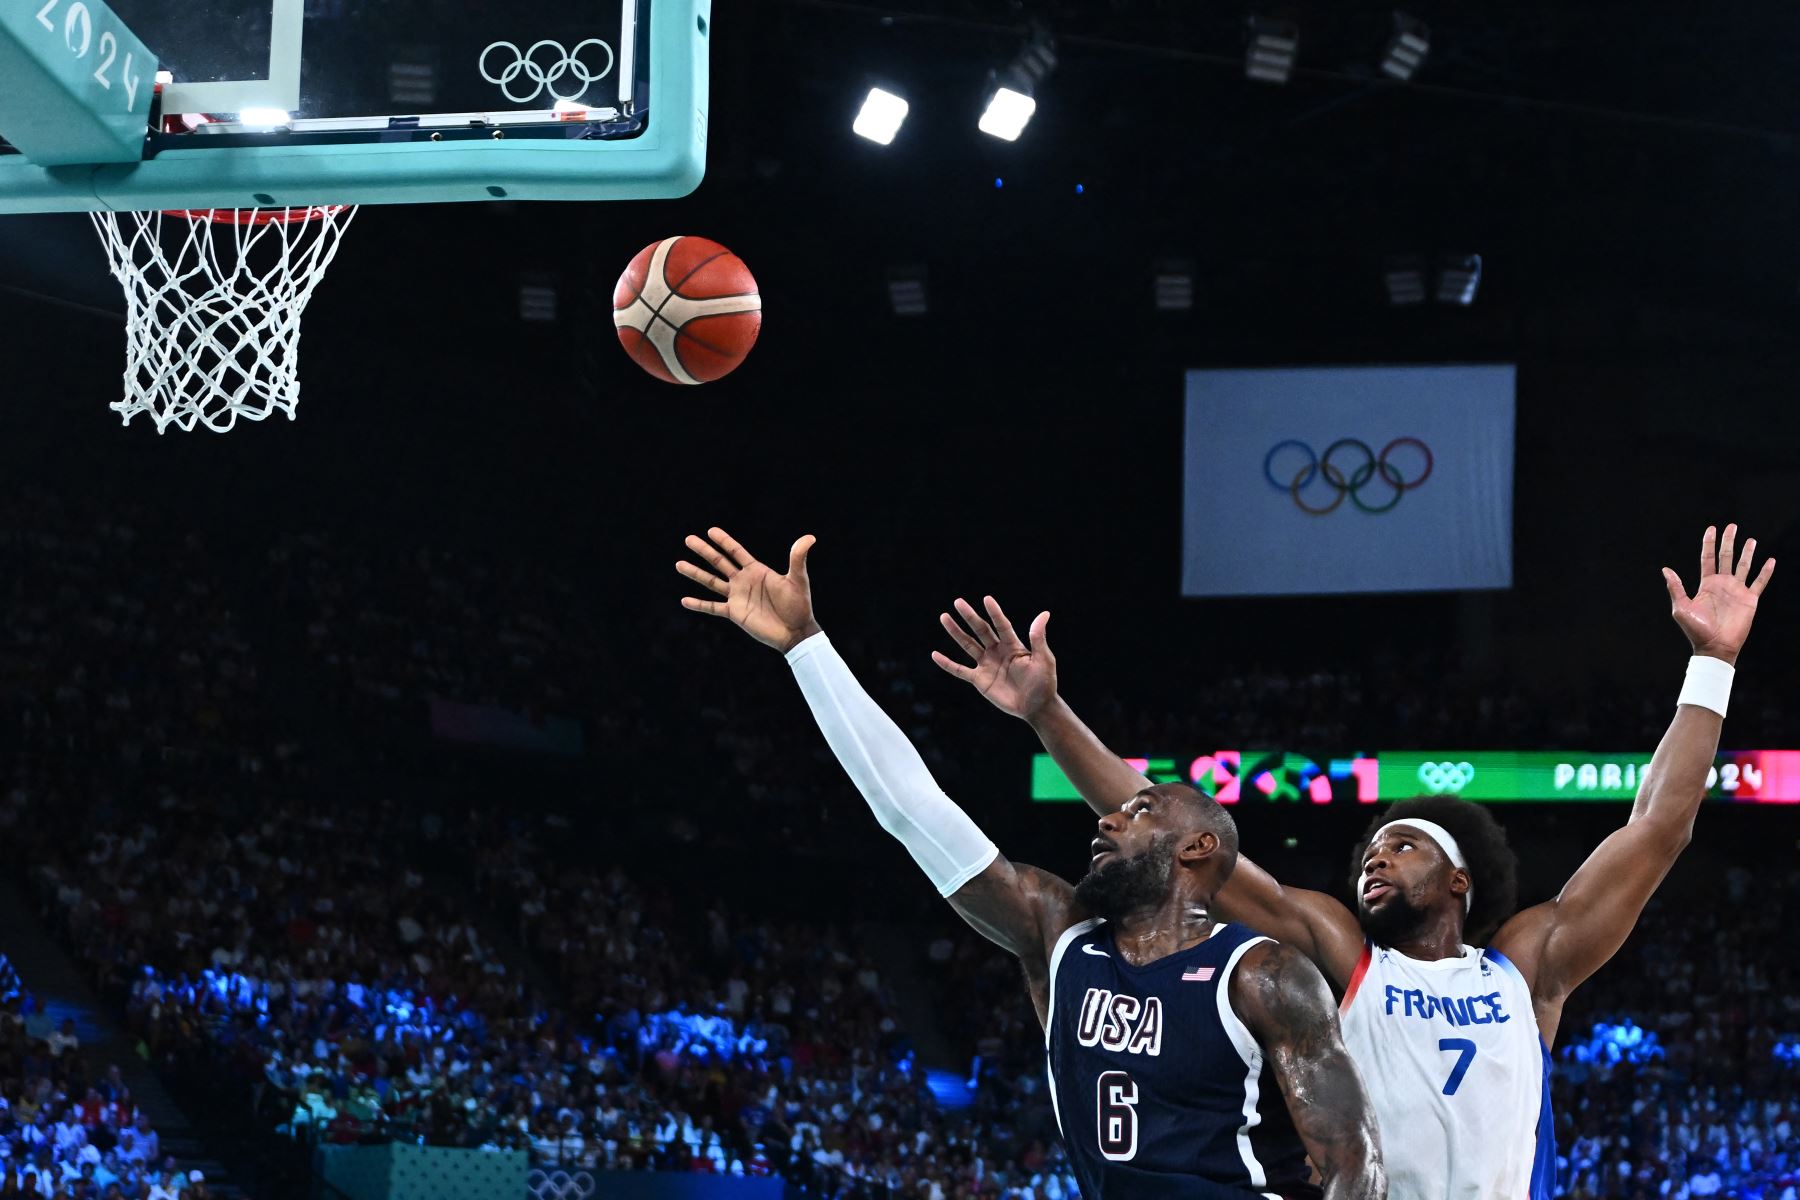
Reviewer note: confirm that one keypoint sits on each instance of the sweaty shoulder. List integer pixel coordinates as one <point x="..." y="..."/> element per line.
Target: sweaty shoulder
<point x="1277" y="987"/>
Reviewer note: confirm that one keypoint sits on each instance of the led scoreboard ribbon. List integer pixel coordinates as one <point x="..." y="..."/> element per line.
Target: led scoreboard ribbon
<point x="1488" y="776"/>
<point x="1502" y="776"/>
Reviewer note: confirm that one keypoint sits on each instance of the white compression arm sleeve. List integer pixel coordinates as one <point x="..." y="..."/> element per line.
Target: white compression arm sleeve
<point x="888" y="771"/>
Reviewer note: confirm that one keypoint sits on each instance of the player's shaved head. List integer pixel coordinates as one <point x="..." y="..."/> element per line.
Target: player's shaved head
<point x="1203" y="814"/>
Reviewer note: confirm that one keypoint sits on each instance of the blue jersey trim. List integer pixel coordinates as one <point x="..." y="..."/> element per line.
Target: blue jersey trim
<point x="1543" y="1163"/>
<point x="1507" y="964"/>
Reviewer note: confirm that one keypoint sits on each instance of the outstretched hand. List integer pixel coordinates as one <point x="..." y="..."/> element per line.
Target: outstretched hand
<point x="774" y="609"/>
<point x="1016" y="678"/>
<point x="1717" y="617"/>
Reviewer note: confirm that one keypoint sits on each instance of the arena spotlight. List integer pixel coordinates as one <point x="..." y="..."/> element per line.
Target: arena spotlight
<point x="1274" y="44"/>
<point x="1407" y="49"/>
<point x="906" y="291"/>
<point x="1459" y="277"/>
<point x="1006" y="114"/>
<point x="537" y="298"/>
<point x="266" y="118"/>
<point x="881" y="116"/>
<point x="412" y="84"/>
<point x="1173" y="285"/>
<point x="1404" y="275"/>
<point x="537" y="305"/>
<point x="1011" y="94"/>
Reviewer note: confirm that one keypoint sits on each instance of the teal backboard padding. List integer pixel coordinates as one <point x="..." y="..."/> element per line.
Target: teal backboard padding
<point x="401" y="1172"/>
<point x="666" y="160"/>
<point x="78" y="82"/>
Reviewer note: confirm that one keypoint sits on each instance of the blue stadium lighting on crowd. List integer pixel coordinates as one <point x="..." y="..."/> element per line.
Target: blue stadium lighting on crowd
<point x="952" y="1092"/>
<point x="1080" y="189"/>
<point x="881" y="116"/>
<point x="1608" y="1045"/>
<point x="999" y="182"/>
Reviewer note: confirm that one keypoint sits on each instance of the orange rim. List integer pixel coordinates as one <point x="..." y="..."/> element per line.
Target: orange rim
<point x="258" y="216"/>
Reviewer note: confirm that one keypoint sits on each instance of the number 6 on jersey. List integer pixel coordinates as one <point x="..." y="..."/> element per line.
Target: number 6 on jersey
<point x="1118" y="1116"/>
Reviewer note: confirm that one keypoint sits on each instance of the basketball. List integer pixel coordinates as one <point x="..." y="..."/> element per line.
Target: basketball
<point x="687" y="310"/>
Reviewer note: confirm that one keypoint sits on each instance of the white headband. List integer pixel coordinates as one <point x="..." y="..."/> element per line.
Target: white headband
<point x="1445" y="842"/>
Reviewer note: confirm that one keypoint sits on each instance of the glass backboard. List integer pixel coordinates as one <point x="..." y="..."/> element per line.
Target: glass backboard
<point x="377" y="65"/>
<point x="267" y="103"/>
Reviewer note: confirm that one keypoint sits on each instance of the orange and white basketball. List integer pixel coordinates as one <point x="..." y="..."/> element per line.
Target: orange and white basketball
<point x="687" y="310"/>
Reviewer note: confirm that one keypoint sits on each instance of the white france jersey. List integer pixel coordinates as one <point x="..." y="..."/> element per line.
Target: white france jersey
<point x="1457" y="1072"/>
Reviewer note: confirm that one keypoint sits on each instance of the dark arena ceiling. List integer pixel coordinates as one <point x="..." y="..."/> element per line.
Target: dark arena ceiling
<point x="1636" y="149"/>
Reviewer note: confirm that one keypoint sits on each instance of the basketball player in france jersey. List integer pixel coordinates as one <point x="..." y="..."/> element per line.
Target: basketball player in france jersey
<point x="1172" y="1038"/>
<point x="1453" y="1039"/>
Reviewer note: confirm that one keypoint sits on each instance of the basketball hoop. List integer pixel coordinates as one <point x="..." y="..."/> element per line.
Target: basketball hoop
<point x="213" y="301"/>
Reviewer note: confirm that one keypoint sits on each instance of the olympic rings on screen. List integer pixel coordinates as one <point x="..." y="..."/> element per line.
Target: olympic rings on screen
<point x="1451" y="777"/>
<point x="544" y="78"/>
<point x="1350" y="485"/>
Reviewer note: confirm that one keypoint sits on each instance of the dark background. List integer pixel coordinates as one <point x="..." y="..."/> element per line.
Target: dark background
<point x="1623" y="171"/>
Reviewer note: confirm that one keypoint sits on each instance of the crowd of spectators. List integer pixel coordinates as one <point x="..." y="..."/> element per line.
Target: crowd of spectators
<point x="1678" y="1070"/>
<point x="290" y="941"/>
<point x="66" y="1133"/>
<point x="386" y="630"/>
<point x="122" y="644"/>
<point x="778" y="1037"/>
<point x="279" y="951"/>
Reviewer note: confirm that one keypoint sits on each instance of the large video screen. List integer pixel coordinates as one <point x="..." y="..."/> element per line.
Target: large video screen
<point x="1488" y="776"/>
<point x="1322" y="481"/>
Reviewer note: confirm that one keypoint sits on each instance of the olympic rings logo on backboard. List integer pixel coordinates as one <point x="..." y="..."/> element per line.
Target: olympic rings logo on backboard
<point x="1351" y="485"/>
<point x="544" y="78"/>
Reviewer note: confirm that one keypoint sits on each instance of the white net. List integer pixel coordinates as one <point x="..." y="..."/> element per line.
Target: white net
<point x="213" y="302"/>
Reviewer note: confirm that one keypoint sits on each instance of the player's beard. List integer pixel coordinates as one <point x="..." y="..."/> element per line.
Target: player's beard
<point x="1127" y="885"/>
<point x="1396" y="921"/>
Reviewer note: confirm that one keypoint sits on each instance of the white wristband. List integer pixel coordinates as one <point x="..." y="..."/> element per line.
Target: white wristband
<point x="1708" y="683"/>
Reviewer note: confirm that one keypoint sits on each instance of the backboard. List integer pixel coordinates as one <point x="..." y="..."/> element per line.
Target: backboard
<point x="264" y="103"/>
<point x="349" y="65"/>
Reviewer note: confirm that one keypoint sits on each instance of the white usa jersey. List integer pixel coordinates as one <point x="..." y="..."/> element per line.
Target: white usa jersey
<point x="1457" y="1072"/>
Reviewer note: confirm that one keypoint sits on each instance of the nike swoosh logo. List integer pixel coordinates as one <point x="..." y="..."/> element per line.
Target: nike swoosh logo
<point x="1092" y="949"/>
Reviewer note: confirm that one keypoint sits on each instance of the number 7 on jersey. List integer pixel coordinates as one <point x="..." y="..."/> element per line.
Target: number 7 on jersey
<point x="1465" y="1054"/>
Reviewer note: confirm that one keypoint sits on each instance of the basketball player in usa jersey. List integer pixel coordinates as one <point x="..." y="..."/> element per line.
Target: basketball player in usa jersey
<point x="1453" y="1038"/>
<point x="1171" y="1038"/>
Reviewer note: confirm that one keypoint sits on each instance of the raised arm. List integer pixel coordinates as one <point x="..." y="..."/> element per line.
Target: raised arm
<point x="1558" y="944"/>
<point x="1019" y="908"/>
<point x="1282" y="999"/>
<point x="1019" y="679"/>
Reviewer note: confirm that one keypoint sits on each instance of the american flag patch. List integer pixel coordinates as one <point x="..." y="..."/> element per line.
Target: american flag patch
<point x="1197" y="975"/>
